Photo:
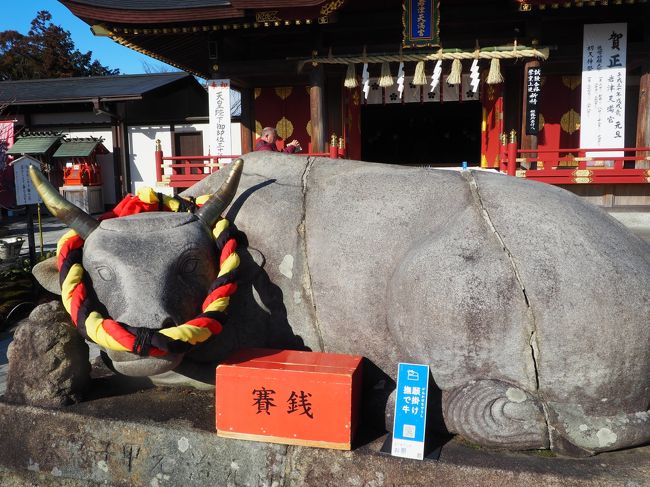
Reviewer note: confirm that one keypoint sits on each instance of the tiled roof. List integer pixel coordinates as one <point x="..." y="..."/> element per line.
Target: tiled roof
<point x="82" y="147"/>
<point x="109" y="88"/>
<point x="34" y="144"/>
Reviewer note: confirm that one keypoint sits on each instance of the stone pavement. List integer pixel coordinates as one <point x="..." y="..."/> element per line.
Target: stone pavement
<point x="142" y="436"/>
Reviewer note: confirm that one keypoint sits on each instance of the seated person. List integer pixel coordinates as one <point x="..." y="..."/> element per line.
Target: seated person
<point x="267" y="142"/>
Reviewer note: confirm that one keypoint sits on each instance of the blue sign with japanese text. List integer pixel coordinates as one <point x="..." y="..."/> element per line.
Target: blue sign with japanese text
<point x="420" y="19"/>
<point x="410" y="411"/>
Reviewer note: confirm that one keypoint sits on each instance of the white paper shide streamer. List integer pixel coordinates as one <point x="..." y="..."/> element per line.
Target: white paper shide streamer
<point x="435" y="77"/>
<point x="365" y="80"/>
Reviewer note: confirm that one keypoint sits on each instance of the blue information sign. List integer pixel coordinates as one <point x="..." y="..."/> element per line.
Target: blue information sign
<point x="410" y="411"/>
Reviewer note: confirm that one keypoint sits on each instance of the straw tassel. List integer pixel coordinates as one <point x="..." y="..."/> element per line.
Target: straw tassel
<point x="419" y="77"/>
<point x="454" y="77"/>
<point x="386" y="79"/>
<point x="351" y="77"/>
<point x="494" y="75"/>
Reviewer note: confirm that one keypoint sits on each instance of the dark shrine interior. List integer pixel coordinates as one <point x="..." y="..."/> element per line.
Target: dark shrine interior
<point x="422" y="134"/>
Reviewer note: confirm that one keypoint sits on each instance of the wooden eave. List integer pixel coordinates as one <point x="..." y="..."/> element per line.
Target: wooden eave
<point x="94" y="15"/>
<point x="526" y="5"/>
<point x="238" y="9"/>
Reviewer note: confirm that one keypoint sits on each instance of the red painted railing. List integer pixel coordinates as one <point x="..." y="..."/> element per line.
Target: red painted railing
<point x="187" y="170"/>
<point x="577" y="166"/>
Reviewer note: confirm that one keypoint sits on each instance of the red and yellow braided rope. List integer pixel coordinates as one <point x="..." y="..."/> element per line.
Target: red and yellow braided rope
<point x="78" y="296"/>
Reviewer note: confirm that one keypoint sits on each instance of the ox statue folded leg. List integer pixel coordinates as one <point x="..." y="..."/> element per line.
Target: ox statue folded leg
<point x="529" y="305"/>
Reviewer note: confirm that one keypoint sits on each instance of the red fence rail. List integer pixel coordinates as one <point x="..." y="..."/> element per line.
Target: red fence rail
<point x="188" y="170"/>
<point x="578" y="165"/>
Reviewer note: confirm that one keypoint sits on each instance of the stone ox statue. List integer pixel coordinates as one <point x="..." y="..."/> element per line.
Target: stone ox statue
<point x="530" y="306"/>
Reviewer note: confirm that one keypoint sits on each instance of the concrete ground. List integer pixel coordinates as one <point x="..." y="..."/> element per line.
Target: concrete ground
<point x="134" y="435"/>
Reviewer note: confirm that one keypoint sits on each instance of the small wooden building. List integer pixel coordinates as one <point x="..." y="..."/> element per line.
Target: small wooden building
<point x="293" y="60"/>
<point x="128" y="113"/>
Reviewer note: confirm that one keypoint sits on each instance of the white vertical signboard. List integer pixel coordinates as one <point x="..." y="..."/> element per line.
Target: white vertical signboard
<point x="26" y="193"/>
<point x="602" y="111"/>
<point x="219" y="106"/>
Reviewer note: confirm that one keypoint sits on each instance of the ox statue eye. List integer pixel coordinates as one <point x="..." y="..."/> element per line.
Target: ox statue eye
<point x="188" y="266"/>
<point x="105" y="273"/>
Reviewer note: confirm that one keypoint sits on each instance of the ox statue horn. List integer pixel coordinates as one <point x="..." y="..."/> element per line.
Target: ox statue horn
<point x="219" y="201"/>
<point x="73" y="216"/>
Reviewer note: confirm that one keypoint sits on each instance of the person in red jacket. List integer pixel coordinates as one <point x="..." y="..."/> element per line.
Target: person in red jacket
<point x="267" y="142"/>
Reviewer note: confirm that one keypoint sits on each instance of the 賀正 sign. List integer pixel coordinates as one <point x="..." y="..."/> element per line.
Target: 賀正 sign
<point x="410" y="411"/>
<point x="602" y="110"/>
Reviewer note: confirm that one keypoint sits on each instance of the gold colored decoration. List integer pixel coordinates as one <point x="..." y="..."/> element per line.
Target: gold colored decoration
<point x="582" y="180"/>
<point x="309" y="128"/>
<point x="267" y="16"/>
<point x="571" y="82"/>
<point x="258" y="129"/>
<point x="284" y="128"/>
<point x="570" y="121"/>
<point x="331" y="7"/>
<point x="258" y="92"/>
<point x="283" y="91"/>
<point x="568" y="161"/>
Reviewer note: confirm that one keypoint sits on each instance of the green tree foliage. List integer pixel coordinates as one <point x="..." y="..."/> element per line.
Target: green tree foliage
<point x="47" y="51"/>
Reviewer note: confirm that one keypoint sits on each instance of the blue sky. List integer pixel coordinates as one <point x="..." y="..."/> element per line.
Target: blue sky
<point x="22" y="12"/>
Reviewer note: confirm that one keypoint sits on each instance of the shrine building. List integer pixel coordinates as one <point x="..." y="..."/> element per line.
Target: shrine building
<point x="556" y="91"/>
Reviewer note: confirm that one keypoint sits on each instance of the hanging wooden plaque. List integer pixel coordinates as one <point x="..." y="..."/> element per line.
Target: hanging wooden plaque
<point x="420" y="19"/>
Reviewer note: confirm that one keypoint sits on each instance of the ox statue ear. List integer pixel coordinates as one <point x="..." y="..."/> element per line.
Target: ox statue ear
<point x="73" y="216"/>
<point x="210" y="212"/>
<point x="47" y="275"/>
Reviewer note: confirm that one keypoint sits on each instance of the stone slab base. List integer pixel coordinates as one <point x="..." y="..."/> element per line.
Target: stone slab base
<point x="161" y="437"/>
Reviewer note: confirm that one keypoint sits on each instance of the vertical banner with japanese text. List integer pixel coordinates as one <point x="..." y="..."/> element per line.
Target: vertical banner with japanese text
<point x="219" y="106"/>
<point x="602" y="110"/>
<point x="533" y="91"/>
<point x="420" y="20"/>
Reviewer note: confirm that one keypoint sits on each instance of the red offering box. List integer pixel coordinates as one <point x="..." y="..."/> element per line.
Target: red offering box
<point x="291" y="397"/>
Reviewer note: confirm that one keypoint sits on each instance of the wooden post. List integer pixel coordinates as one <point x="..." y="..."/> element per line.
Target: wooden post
<point x="334" y="147"/>
<point x="30" y="234"/>
<point x="503" y="152"/>
<point x="527" y="141"/>
<point x="159" y="161"/>
<point x="643" y="118"/>
<point x="247" y="121"/>
<point x="316" y="109"/>
<point x="341" y="152"/>
<point x="512" y="154"/>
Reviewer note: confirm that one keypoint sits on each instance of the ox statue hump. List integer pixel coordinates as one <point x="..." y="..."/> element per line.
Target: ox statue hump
<point x="530" y="305"/>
